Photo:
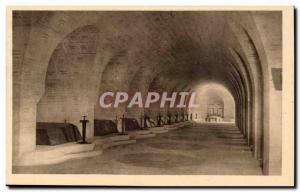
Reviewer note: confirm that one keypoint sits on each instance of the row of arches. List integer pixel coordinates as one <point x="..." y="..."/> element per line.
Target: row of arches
<point x="76" y="58"/>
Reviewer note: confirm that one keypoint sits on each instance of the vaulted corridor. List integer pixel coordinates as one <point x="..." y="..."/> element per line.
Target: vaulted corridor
<point x="196" y="149"/>
<point x="82" y="80"/>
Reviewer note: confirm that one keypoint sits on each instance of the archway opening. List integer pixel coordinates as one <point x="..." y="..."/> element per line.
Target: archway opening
<point x="67" y="98"/>
<point x="216" y="104"/>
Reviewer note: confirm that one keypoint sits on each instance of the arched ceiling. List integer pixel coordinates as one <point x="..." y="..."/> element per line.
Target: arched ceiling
<point x="182" y="49"/>
<point x="187" y="47"/>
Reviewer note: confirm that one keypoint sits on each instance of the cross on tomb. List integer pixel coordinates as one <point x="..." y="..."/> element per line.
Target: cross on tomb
<point x="65" y="123"/>
<point x="145" y="121"/>
<point x="176" y="118"/>
<point x="159" y="124"/>
<point x="83" y="121"/>
<point x="116" y="121"/>
<point x="142" y="121"/>
<point x="123" y="125"/>
<point x="169" y="119"/>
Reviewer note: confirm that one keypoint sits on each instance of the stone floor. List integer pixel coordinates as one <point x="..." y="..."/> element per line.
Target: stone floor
<point x="198" y="149"/>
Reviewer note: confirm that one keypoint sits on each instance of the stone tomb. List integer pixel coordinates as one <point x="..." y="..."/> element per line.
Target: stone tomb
<point x="50" y="133"/>
<point x="131" y="124"/>
<point x="104" y="127"/>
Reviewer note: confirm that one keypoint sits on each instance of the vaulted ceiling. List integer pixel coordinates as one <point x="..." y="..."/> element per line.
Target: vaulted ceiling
<point x="182" y="48"/>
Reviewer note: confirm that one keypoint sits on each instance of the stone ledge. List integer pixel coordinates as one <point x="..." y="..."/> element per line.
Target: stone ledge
<point x="45" y="155"/>
<point x="113" y="140"/>
<point x="107" y="145"/>
<point x="144" y="136"/>
<point x="65" y="148"/>
<point x="171" y="127"/>
<point x="158" y="130"/>
<point x="140" y="134"/>
<point x="99" y="140"/>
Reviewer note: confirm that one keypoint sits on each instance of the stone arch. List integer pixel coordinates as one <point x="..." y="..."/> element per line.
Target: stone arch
<point x="67" y="97"/>
<point x="256" y="50"/>
<point x="245" y="57"/>
<point x="46" y="31"/>
<point x="210" y="93"/>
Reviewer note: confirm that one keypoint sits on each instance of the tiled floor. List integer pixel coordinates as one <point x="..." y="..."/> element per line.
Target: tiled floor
<point x="198" y="149"/>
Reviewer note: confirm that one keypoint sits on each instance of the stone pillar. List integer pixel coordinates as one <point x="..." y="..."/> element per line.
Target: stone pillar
<point x="25" y="140"/>
<point x="273" y="135"/>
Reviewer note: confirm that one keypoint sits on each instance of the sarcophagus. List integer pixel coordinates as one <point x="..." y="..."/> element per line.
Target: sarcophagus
<point x="49" y="133"/>
<point x="132" y="124"/>
<point x="104" y="127"/>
